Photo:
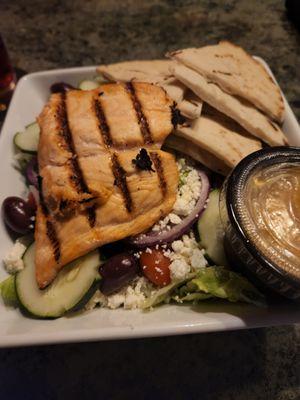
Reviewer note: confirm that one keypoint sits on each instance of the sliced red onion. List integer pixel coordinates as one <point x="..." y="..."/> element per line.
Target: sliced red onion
<point x="35" y="193"/>
<point x="31" y="172"/>
<point x="152" y="238"/>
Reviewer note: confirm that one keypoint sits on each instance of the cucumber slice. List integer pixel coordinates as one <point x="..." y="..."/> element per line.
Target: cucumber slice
<point x="88" y="85"/>
<point x="70" y="287"/>
<point x="28" y="140"/>
<point x="211" y="231"/>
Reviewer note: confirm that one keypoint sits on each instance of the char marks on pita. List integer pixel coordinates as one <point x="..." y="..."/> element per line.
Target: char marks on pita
<point x="219" y="136"/>
<point x="251" y="119"/>
<point x="237" y="73"/>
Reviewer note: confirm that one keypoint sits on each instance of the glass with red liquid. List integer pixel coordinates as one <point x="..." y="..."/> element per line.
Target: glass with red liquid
<point x="7" y="75"/>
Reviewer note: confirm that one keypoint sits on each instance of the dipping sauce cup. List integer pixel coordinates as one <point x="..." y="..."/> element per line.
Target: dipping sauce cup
<point x="260" y="212"/>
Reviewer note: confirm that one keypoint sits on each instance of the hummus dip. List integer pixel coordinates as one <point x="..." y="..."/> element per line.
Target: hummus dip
<point x="271" y="215"/>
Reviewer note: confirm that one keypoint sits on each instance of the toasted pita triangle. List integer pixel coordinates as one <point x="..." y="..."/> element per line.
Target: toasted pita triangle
<point x="191" y="106"/>
<point x="174" y="88"/>
<point x="237" y="73"/>
<point x="241" y="111"/>
<point x="151" y="71"/>
<point x="220" y="136"/>
<point x="197" y="153"/>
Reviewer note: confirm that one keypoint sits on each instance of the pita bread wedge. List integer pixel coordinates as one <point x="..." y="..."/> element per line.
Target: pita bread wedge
<point x="204" y="157"/>
<point x="220" y="136"/>
<point x="241" y="111"/>
<point x="237" y="73"/>
<point x="152" y="71"/>
<point x="191" y="106"/>
<point x="174" y="88"/>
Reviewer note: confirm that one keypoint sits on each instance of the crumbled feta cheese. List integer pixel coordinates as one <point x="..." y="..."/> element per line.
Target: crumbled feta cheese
<point x="97" y="299"/>
<point x="198" y="260"/>
<point x="13" y="261"/>
<point x="177" y="246"/>
<point x="187" y="196"/>
<point x="185" y="257"/>
<point x="130" y="297"/>
<point x="133" y="298"/>
<point x="161" y="224"/>
<point x="115" y="300"/>
<point x="179" y="269"/>
<point x="167" y="253"/>
<point x="174" y="219"/>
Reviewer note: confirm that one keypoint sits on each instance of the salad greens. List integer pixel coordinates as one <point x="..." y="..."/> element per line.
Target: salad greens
<point x="182" y="178"/>
<point x="208" y="283"/>
<point x="163" y="295"/>
<point x="219" y="282"/>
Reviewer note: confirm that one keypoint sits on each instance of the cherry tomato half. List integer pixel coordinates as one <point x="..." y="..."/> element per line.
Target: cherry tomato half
<point x="155" y="266"/>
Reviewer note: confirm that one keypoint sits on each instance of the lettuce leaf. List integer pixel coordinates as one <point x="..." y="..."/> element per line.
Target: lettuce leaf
<point x="20" y="161"/>
<point x="210" y="282"/>
<point x="219" y="282"/>
<point x="8" y="291"/>
<point x="164" y="294"/>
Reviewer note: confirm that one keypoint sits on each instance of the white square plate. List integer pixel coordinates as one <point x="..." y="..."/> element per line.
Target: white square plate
<point x="30" y="95"/>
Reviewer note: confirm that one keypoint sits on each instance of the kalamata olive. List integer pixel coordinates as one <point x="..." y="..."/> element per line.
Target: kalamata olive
<point x="18" y="215"/>
<point x="111" y="249"/>
<point x="117" y="272"/>
<point x="60" y="87"/>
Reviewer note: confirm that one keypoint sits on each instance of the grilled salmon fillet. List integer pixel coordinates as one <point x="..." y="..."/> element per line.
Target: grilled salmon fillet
<point x="92" y="190"/>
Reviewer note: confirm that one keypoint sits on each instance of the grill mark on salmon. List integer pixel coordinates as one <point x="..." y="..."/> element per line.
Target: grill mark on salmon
<point x="142" y="120"/>
<point x="50" y="228"/>
<point x="103" y="126"/>
<point x="87" y="200"/>
<point x="120" y="181"/>
<point x="77" y="176"/>
<point x="63" y="205"/>
<point x="91" y="215"/>
<point x="160" y="172"/>
<point x="41" y="197"/>
<point x="51" y="233"/>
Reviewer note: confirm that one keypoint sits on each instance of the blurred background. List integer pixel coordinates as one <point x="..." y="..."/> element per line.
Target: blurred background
<point x="257" y="364"/>
<point x="53" y="34"/>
